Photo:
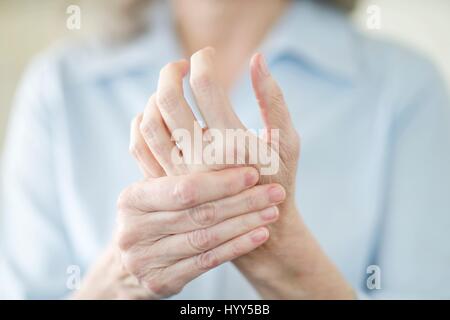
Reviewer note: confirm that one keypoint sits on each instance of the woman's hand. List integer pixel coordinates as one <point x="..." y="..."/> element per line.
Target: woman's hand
<point x="173" y="229"/>
<point x="108" y="280"/>
<point x="291" y="264"/>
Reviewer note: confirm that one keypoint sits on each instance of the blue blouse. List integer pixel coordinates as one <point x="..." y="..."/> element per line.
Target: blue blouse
<point x="373" y="179"/>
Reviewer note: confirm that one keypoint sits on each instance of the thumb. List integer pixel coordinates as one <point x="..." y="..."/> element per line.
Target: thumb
<point x="274" y="111"/>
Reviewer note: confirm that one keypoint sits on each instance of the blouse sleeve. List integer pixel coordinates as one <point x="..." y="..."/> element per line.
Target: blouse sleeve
<point x="35" y="253"/>
<point x="413" y="250"/>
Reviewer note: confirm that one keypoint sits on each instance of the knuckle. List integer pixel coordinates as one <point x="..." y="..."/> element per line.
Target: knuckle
<point x="247" y="221"/>
<point x="157" y="147"/>
<point x="174" y="218"/>
<point x="236" y="249"/>
<point x="155" y="286"/>
<point x="124" y="200"/>
<point x="201" y="81"/>
<point x="133" y="264"/>
<point x="130" y="232"/>
<point x="128" y="198"/>
<point x="203" y="215"/>
<point x="159" y="287"/>
<point x="149" y="128"/>
<point x="250" y="202"/>
<point x="207" y="260"/>
<point x="126" y="238"/>
<point x="176" y="289"/>
<point x="200" y="240"/>
<point x="185" y="192"/>
<point x="167" y="99"/>
<point x="134" y="150"/>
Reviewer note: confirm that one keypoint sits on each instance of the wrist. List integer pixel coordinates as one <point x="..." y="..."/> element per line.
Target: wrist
<point x="102" y="279"/>
<point x="292" y="265"/>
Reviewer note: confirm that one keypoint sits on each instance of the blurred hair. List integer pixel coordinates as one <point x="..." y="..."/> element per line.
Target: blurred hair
<point x="125" y="19"/>
<point x="346" y="5"/>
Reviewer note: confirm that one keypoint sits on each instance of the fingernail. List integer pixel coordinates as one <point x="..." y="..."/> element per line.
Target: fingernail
<point x="251" y="178"/>
<point x="276" y="194"/>
<point x="263" y="66"/>
<point x="269" y="213"/>
<point x="259" y="235"/>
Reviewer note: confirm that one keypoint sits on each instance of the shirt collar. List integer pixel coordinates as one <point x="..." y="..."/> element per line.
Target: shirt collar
<point x="318" y="35"/>
<point x="313" y="33"/>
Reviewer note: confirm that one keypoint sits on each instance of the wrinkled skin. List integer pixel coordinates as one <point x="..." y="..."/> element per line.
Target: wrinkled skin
<point x="168" y="108"/>
<point x="291" y="264"/>
<point x="183" y="220"/>
<point x="173" y="229"/>
<point x="107" y="279"/>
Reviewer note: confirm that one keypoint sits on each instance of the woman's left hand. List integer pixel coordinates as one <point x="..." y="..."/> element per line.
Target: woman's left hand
<point x="291" y="265"/>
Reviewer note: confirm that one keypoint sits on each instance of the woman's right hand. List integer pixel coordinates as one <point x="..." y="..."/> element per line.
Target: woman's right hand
<point x="172" y="229"/>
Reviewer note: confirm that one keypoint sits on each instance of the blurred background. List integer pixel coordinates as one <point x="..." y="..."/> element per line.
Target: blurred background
<point x="29" y="26"/>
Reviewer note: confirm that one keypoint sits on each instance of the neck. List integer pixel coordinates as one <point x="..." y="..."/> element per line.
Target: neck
<point x="234" y="28"/>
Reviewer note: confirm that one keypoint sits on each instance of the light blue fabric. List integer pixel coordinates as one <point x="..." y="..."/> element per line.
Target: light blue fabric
<point x="373" y="180"/>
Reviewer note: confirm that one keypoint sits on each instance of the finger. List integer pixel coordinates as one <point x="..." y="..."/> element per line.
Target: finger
<point x="148" y="228"/>
<point x="211" y="99"/>
<point x="211" y="213"/>
<point x="157" y="137"/>
<point x="178" y="193"/>
<point x="177" y="113"/>
<point x="139" y="149"/>
<point x="174" y="108"/>
<point x="273" y="108"/>
<point x="188" y="269"/>
<point x="185" y="245"/>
